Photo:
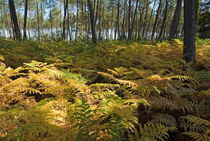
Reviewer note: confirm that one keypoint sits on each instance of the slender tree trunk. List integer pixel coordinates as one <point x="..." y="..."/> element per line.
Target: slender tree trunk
<point x="92" y="21"/>
<point x="14" y="20"/>
<point x="164" y="20"/>
<point x="42" y="18"/>
<point x="82" y="21"/>
<point x="38" y="22"/>
<point x="134" y="18"/>
<point x="129" y="20"/>
<point x="175" y="21"/>
<point x="25" y="20"/>
<point x="189" y="52"/>
<point x="140" y="21"/>
<point x="145" y="19"/>
<point x="77" y="18"/>
<point x="123" y="24"/>
<point x="64" y="18"/>
<point x="156" y="19"/>
<point x="68" y="25"/>
<point x="117" y="22"/>
<point x="111" y="23"/>
<point x="100" y="21"/>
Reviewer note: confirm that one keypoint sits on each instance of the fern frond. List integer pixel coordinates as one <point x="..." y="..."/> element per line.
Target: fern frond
<point x="178" y="77"/>
<point x="116" y="128"/>
<point x="152" y="132"/>
<point x="198" y="136"/>
<point x="193" y="123"/>
<point x="165" y="119"/>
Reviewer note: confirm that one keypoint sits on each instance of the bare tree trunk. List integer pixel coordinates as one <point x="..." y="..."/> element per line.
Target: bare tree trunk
<point x="156" y="19"/>
<point x="64" y="18"/>
<point x="14" y="19"/>
<point x="100" y="21"/>
<point x="117" y="23"/>
<point x="175" y="21"/>
<point x="140" y="22"/>
<point x="25" y="20"/>
<point x="123" y="24"/>
<point x="145" y="19"/>
<point x="77" y="18"/>
<point x="164" y="20"/>
<point x="38" y="23"/>
<point x="42" y="17"/>
<point x="189" y="53"/>
<point x="134" y="18"/>
<point x="92" y="21"/>
<point x="129" y="20"/>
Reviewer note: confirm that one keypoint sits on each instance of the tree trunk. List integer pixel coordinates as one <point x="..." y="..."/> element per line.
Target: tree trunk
<point x="77" y="18"/>
<point x="156" y="19"/>
<point x="64" y="18"/>
<point x="175" y="21"/>
<point x="25" y="20"/>
<point x="123" y="24"/>
<point x="92" y="21"/>
<point x="134" y="19"/>
<point x="14" y="19"/>
<point x="129" y="20"/>
<point x="189" y="52"/>
<point x="38" y="22"/>
<point x="164" y="20"/>
<point x="145" y="18"/>
<point x="141" y="21"/>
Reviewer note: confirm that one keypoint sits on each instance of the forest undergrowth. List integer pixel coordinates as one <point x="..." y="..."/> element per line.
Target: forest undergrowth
<point x="112" y="91"/>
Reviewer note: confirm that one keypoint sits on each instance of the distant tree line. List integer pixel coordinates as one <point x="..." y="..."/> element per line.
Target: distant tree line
<point x="98" y="19"/>
<point x="108" y="20"/>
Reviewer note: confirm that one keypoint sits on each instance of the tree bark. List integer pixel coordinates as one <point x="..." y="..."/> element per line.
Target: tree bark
<point x="164" y="20"/>
<point x="189" y="52"/>
<point x="156" y="19"/>
<point x="64" y="18"/>
<point x="129" y="20"/>
<point x="145" y="18"/>
<point x="77" y="18"/>
<point x="25" y="20"/>
<point x="134" y="19"/>
<point x="38" y="22"/>
<point x="175" y="21"/>
<point x="14" y="20"/>
<point x="92" y="21"/>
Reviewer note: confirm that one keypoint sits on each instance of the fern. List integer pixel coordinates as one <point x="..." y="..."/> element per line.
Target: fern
<point x="84" y="121"/>
<point x="193" y="123"/>
<point x="116" y="128"/>
<point x="198" y="136"/>
<point x="165" y="119"/>
<point x="151" y="132"/>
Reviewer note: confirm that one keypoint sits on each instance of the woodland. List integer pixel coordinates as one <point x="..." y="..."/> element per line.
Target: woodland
<point x="104" y="70"/>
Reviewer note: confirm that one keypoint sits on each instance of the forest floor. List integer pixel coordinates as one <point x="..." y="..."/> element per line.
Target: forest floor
<point x="114" y="90"/>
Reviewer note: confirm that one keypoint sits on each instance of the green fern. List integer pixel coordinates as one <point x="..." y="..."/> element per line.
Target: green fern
<point x="84" y="121"/>
<point x="116" y="128"/>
